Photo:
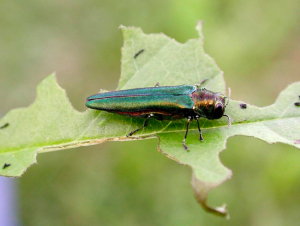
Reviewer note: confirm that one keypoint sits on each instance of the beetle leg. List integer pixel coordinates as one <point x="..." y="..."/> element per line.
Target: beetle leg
<point x="200" y="133"/>
<point x="145" y="124"/>
<point x="186" y="132"/>
<point x="204" y="80"/>
<point x="229" y="120"/>
<point x="157" y="84"/>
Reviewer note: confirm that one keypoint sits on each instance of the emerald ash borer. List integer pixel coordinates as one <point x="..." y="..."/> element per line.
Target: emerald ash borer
<point x="163" y="103"/>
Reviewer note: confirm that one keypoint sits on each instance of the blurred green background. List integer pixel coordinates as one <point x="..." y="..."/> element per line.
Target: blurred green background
<point x="257" y="45"/>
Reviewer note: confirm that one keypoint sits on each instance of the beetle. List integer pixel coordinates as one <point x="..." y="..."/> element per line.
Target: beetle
<point x="163" y="103"/>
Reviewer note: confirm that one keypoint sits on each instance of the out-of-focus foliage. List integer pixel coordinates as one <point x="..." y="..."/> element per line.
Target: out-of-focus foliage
<point x="256" y="43"/>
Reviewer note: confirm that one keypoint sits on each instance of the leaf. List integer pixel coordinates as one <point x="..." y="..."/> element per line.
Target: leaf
<point x="51" y="123"/>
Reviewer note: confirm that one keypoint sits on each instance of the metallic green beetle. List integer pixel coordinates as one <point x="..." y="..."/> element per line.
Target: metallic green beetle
<point x="163" y="103"/>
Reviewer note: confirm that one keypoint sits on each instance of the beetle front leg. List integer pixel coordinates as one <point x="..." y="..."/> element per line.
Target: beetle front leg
<point x="186" y="132"/>
<point x="145" y="124"/>
<point x="200" y="132"/>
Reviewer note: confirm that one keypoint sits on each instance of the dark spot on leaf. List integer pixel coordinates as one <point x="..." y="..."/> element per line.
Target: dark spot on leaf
<point x="243" y="106"/>
<point x="297" y="104"/>
<point x="6" y="165"/>
<point x="138" y="53"/>
<point x="4" y="126"/>
<point x="297" y="141"/>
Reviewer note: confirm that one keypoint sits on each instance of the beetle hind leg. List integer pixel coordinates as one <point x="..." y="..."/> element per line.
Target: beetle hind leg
<point x="145" y="124"/>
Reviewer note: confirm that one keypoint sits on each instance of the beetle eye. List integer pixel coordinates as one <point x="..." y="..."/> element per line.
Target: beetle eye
<point x="218" y="111"/>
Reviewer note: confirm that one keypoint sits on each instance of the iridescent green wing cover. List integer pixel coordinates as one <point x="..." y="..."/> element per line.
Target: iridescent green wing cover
<point x="166" y="101"/>
<point x="164" y="90"/>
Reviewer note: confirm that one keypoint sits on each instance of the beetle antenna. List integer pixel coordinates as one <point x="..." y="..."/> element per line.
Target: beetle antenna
<point x="229" y="120"/>
<point x="229" y="93"/>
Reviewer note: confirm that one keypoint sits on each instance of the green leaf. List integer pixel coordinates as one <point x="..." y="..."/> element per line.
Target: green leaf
<point x="51" y="123"/>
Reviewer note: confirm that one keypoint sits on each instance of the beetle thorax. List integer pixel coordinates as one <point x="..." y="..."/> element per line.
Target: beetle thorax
<point x="206" y="103"/>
